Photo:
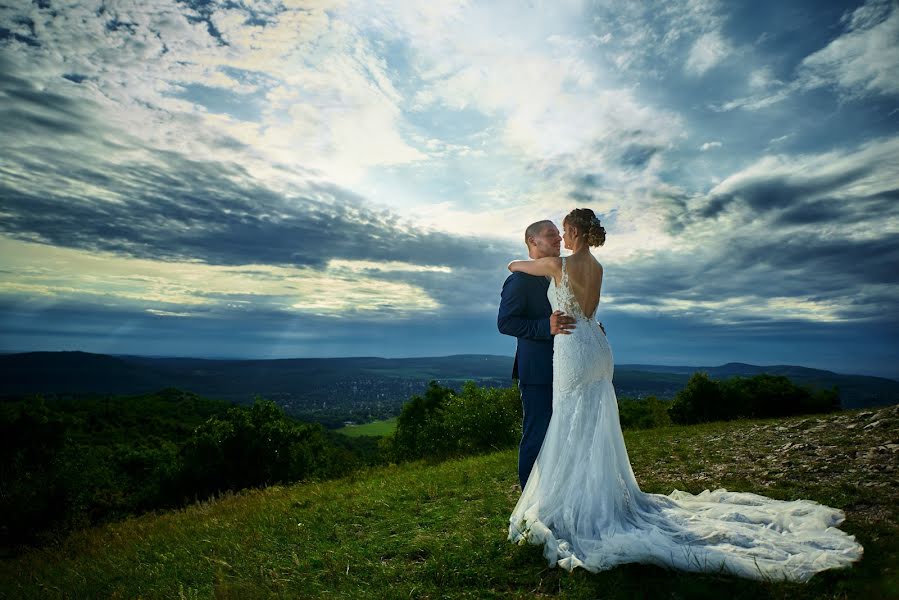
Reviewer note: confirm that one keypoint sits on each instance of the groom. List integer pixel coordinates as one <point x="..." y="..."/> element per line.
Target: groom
<point x="525" y="313"/>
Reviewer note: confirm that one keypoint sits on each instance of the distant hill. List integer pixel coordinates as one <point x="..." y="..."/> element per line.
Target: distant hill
<point x="327" y="390"/>
<point x="366" y="386"/>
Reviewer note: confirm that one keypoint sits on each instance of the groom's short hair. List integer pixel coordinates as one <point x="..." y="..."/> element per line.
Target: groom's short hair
<point x="535" y="229"/>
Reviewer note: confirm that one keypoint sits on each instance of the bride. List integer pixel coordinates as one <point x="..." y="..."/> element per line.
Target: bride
<point x="582" y="501"/>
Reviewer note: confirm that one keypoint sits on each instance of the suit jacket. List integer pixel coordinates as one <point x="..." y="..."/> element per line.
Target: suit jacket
<point x="524" y="312"/>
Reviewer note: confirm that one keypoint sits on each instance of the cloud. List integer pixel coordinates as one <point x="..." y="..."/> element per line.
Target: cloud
<point x="709" y="146"/>
<point x="200" y="290"/>
<point x="780" y="139"/>
<point x="127" y="149"/>
<point x="211" y="237"/>
<point x="864" y="60"/>
<point x="707" y="51"/>
<point x="650" y="37"/>
<point x="525" y="107"/>
<point x="219" y="206"/>
<point x="861" y="62"/>
<point x="763" y="78"/>
<point x="780" y="181"/>
<point x="756" y="102"/>
<point x="811" y="237"/>
<point x="329" y="93"/>
<point x="326" y="99"/>
<point x="546" y="95"/>
<point x="176" y="209"/>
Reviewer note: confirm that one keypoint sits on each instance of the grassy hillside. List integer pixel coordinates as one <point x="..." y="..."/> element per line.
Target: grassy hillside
<point x="439" y="531"/>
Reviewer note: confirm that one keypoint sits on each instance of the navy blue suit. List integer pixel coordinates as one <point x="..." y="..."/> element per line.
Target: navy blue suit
<point x="524" y="313"/>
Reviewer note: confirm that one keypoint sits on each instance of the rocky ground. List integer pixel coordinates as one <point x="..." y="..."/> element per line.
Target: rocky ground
<point x="851" y="457"/>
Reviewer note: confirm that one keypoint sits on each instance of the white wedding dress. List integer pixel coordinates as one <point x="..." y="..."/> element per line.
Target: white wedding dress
<point x="583" y="504"/>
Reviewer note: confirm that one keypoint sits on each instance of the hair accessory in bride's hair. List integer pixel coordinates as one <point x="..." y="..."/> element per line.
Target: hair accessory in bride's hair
<point x="588" y="225"/>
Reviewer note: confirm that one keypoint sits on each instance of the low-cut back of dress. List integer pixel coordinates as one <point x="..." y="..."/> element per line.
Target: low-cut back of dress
<point x="582" y="501"/>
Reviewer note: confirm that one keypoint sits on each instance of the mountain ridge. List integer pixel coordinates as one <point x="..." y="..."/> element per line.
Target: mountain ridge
<point x="377" y="385"/>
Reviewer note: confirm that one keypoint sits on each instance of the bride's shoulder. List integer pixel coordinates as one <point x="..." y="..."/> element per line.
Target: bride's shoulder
<point x="596" y="269"/>
<point x="554" y="263"/>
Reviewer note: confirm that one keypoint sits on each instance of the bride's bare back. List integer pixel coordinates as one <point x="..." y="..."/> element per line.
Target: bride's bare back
<point x="585" y="281"/>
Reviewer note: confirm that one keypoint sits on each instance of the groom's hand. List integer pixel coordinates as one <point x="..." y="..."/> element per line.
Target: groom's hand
<point x="559" y="322"/>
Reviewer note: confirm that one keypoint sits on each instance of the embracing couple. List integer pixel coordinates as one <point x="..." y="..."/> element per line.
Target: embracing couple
<point x="579" y="497"/>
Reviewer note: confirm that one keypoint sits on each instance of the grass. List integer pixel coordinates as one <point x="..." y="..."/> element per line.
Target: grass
<point x="375" y="428"/>
<point x="423" y="530"/>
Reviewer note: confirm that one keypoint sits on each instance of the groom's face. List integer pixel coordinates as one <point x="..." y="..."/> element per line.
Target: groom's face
<point x="547" y="243"/>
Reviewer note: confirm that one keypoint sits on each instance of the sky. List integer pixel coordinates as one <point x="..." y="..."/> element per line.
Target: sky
<point x="313" y="179"/>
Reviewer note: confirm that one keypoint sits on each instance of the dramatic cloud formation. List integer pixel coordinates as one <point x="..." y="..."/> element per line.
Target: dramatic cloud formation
<point x="343" y="178"/>
<point x="865" y="59"/>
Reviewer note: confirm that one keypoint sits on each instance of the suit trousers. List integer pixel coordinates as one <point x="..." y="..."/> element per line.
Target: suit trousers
<point x="537" y="406"/>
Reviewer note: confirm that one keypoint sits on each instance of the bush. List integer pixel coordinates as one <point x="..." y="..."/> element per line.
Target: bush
<point x="700" y="401"/>
<point x="481" y="420"/>
<point x="443" y="423"/>
<point x="418" y="424"/>
<point x="254" y="447"/>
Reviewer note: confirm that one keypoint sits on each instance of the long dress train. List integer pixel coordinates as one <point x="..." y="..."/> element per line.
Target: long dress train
<point x="583" y="503"/>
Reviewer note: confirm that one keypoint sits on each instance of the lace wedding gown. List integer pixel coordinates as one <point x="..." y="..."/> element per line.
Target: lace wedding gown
<point x="583" y="504"/>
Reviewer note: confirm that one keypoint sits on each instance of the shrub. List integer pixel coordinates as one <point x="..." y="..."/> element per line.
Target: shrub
<point x="418" y="424"/>
<point x="700" y="401"/>
<point x="444" y="423"/>
<point x="481" y="420"/>
<point x="253" y="447"/>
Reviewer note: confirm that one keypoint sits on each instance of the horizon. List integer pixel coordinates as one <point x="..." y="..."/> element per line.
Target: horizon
<point x="261" y="179"/>
<point x="503" y="356"/>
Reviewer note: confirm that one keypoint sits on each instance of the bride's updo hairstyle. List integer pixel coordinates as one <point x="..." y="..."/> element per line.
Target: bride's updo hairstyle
<point x="587" y="225"/>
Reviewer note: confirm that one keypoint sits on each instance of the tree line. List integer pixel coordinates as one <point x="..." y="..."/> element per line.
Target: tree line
<point x="442" y="423"/>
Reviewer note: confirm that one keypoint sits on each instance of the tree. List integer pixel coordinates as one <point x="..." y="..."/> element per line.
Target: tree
<point x="700" y="401"/>
<point x="416" y="426"/>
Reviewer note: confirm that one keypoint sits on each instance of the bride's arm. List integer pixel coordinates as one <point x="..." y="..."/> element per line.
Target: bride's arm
<point x="549" y="266"/>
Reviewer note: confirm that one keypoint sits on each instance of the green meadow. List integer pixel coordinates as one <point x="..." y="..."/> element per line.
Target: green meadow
<point x="375" y="428"/>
